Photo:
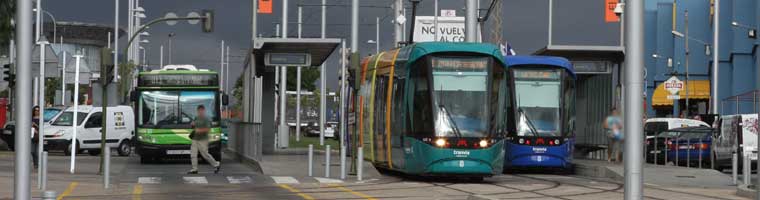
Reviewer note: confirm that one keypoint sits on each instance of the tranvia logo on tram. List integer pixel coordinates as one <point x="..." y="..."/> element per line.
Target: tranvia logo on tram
<point x="539" y="149"/>
<point x="461" y="153"/>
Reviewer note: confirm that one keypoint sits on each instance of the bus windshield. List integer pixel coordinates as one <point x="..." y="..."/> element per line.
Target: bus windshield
<point x="537" y="94"/>
<point x="460" y="85"/>
<point x="175" y="109"/>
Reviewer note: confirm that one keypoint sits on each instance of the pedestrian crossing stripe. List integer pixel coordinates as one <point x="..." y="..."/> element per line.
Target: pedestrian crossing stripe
<point x="149" y="180"/>
<point x="195" y="180"/>
<point x="239" y="179"/>
<point x="328" y="180"/>
<point x="284" y="180"/>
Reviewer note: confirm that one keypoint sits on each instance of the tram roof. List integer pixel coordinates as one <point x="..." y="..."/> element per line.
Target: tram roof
<point x="424" y="48"/>
<point x="540" y="60"/>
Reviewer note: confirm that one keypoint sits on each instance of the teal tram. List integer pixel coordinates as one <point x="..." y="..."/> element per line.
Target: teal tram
<point x="435" y="109"/>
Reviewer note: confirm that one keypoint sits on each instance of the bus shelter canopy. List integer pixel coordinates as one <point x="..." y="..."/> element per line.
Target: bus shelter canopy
<point x="319" y="49"/>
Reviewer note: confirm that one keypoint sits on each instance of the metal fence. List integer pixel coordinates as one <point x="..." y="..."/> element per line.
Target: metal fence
<point x="690" y="152"/>
<point x="245" y="140"/>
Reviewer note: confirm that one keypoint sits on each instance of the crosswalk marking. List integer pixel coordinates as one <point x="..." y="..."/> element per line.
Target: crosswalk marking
<point x="195" y="180"/>
<point x="239" y="179"/>
<point x="327" y="180"/>
<point x="149" y="180"/>
<point x="284" y="180"/>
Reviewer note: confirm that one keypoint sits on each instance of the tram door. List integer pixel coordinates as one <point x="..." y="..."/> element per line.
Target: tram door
<point x="381" y="96"/>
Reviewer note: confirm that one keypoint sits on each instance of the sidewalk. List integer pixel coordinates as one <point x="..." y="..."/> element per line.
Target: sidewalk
<point x="294" y="162"/>
<point x="658" y="175"/>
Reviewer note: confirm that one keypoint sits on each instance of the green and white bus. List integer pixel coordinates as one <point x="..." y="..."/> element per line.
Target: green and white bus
<point x="165" y="103"/>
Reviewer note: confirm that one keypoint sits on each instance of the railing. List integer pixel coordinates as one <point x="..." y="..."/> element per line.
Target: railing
<point x="244" y="140"/>
<point x="694" y="152"/>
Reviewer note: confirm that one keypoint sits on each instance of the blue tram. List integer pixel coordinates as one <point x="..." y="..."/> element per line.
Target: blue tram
<point x="544" y="110"/>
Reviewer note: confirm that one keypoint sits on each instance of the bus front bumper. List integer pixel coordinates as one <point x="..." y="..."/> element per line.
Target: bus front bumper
<point x="160" y="150"/>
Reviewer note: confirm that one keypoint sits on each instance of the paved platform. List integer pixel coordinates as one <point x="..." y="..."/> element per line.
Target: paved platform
<point x="657" y="175"/>
<point x="294" y="163"/>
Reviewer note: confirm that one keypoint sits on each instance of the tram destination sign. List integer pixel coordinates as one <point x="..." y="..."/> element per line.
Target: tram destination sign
<point x="287" y="59"/>
<point x="176" y="80"/>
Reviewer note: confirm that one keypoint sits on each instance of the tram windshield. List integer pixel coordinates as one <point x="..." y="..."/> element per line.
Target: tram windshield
<point x="460" y="85"/>
<point x="538" y="94"/>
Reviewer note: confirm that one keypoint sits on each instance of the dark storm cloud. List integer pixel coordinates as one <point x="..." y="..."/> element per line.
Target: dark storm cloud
<point x="524" y="25"/>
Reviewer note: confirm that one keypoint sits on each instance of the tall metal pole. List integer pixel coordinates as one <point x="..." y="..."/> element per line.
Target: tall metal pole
<point x="23" y="36"/>
<point x="298" y="82"/>
<point x="115" y="46"/>
<point x="284" y="135"/>
<point x="41" y="100"/>
<point x="130" y="23"/>
<point x="377" y="34"/>
<point x="78" y="58"/>
<point x="323" y="82"/>
<point x="716" y="59"/>
<point x="343" y="93"/>
<point x="161" y="59"/>
<point x="471" y="21"/>
<point x="227" y="76"/>
<point x="634" y="62"/>
<point x="38" y="22"/>
<point x="686" y="61"/>
<point x="254" y="15"/>
<point x="435" y="20"/>
<point x="397" y="27"/>
<point x="221" y="65"/>
<point x="551" y="22"/>
<point x="63" y="78"/>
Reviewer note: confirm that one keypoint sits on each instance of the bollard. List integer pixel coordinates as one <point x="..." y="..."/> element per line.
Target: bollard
<point x="746" y="170"/>
<point x="359" y="163"/>
<point x="43" y="166"/>
<point x="734" y="167"/>
<point x="106" y="166"/>
<point x="311" y="160"/>
<point x="688" y="152"/>
<point x="675" y="144"/>
<point x="327" y="161"/>
<point x="700" y="153"/>
<point x="342" y="162"/>
<point x="49" y="195"/>
<point x="668" y="143"/>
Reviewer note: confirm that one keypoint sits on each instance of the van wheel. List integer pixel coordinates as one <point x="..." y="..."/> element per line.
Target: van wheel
<point x="125" y="148"/>
<point x="67" y="150"/>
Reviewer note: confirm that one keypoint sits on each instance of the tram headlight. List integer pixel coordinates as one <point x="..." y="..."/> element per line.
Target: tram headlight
<point x="521" y="141"/>
<point x="440" y="142"/>
<point x="556" y="141"/>
<point x="483" y="143"/>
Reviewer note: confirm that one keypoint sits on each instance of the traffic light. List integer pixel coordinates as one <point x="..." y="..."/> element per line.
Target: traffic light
<point x="106" y="70"/>
<point x="207" y="21"/>
<point x="8" y="75"/>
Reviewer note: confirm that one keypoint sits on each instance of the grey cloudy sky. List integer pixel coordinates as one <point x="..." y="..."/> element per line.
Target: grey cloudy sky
<point x="524" y="25"/>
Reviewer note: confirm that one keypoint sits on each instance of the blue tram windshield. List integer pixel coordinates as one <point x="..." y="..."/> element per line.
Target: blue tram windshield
<point x="537" y="94"/>
<point x="460" y="85"/>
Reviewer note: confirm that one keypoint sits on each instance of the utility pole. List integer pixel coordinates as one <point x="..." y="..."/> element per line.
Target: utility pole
<point x="716" y="60"/>
<point x="298" y="82"/>
<point x="161" y="59"/>
<point x="686" y="61"/>
<point x="41" y="121"/>
<point x="284" y="135"/>
<point x="115" y="44"/>
<point x="397" y="27"/>
<point x="323" y="82"/>
<point x="377" y="34"/>
<point x="435" y="21"/>
<point x="471" y="21"/>
<point x="634" y="62"/>
<point x="221" y="65"/>
<point x="24" y="41"/>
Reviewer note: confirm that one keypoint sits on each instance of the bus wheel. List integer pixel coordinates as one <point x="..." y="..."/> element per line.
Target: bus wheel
<point x="125" y="148"/>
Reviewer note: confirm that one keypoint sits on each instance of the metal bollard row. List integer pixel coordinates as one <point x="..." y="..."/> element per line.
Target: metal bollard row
<point x="311" y="160"/>
<point x="327" y="161"/>
<point x="49" y="195"/>
<point x="734" y="167"/>
<point x="43" y="166"/>
<point x="359" y="163"/>
<point x="106" y="166"/>
<point x="342" y="162"/>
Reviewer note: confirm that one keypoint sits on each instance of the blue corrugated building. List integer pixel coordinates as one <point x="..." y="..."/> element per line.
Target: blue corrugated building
<point x="666" y="37"/>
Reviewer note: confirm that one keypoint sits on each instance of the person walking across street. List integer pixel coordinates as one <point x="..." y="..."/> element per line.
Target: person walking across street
<point x="614" y="126"/>
<point x="199" y="136"/>
<point x="35" y="134"/>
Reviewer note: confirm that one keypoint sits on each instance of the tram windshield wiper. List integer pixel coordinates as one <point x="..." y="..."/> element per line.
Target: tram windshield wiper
<point x="451" y="120"/>
<point x="531" y="127"/>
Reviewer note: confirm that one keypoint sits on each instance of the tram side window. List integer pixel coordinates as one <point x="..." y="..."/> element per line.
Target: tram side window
<point x="569" y="107"/>
<point x="421" y="115"/>
<point x="381" y="92"/>
<point x="397" y="107"/>
<point x="498" y="100"/>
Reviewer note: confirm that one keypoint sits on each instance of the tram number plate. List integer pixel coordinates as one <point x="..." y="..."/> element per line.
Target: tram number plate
<point x="177" y="152"/>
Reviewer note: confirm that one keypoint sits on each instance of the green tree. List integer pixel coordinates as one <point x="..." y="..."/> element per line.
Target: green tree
<point x="126" y="71"/>
<point x="237" y="93"/>
<point x="7" y="11"/>
<point x="308" y="76"/>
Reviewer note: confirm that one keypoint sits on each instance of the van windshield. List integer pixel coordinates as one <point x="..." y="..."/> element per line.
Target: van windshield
<point x="67" y="117"/>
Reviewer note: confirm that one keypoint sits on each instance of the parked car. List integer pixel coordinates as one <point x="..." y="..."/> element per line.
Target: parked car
<point x="691" y="146"/>
<point x="120" y="129"/>
<point x="655" y="126"/>
<point x="8" y="132"/>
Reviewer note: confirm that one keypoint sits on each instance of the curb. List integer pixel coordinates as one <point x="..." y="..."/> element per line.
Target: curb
<point x="597" y="172"/>
<point x="480" y="197"/>
<point x="743" y="191"/>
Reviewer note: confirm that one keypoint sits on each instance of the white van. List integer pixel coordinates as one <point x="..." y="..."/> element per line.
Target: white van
<point x="654" y="126"/>
<point x="120" y="129"/>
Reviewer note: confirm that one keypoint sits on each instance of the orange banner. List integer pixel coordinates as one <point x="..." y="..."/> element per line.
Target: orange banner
<point x="609" y="11"/>
<point x="265" y="6"/>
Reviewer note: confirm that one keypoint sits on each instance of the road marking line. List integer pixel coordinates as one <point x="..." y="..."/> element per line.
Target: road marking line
<point x="327" y="180"/>
<point x="367" y="181"/>
<point x="650" y="184"/>
<point x="359" y="194"/>
<point x="137" y="192"/>
<point x="284" y="180"/>
<point x="195" y="179"/>
<point x="239" y="179"/>
<point x="149" y="180"/>
<point x="298" y="192"/>
<point x="68" y="190"/>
